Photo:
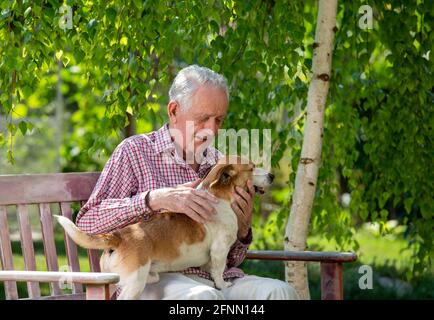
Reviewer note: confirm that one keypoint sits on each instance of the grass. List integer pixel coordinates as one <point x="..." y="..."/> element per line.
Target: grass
<point x="374" y="248"/>
<point x="386" y="255"/>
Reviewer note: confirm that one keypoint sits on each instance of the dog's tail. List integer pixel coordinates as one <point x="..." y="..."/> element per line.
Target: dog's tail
<point x="88" y="241"/>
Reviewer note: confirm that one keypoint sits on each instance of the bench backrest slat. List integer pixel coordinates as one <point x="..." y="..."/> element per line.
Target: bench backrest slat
<point x="94" y="256"/>
<point x="49" y="243"/>
<point x="27" y="248"/>
<point x="6" y="254"/>
<point x="71" y="247"/>
<point x="46" y="188"/>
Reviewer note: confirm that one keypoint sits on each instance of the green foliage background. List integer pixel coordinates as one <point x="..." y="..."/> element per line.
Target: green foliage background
<point x="116" y="64"/>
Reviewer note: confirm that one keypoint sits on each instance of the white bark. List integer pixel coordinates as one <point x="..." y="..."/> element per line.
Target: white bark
<point x="307" y="171"/>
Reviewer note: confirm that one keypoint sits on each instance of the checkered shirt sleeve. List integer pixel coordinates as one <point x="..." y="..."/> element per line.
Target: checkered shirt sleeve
<point x="113" y="203"/>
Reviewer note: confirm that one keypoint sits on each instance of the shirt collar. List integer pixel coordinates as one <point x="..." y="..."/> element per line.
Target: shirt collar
<point x="211" y="156"/>
<point x="163" y="140"/>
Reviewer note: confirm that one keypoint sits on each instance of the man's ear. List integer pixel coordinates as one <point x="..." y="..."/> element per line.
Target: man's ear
<point x="172" y="110"/>
<point x="223" y="176"/>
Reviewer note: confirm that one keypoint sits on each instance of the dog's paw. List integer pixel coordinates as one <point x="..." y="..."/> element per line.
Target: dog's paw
<point x="223" y="284"/>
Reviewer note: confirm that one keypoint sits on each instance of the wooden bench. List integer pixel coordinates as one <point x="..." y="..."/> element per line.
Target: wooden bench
<point x="61" y="191"/>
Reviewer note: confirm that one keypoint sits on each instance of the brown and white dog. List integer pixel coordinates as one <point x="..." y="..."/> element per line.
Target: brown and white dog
<point x="172" y="241"/>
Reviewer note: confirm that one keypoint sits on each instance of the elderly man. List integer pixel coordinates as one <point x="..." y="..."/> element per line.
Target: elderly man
<point x="149" y="173"/>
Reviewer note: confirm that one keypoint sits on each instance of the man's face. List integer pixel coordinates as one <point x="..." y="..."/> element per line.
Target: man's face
<point x="205" y="117"/>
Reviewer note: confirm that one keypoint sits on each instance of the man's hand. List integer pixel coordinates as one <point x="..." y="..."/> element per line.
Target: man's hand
<point x="243" y="207"/>
<point x="197" y="204"/>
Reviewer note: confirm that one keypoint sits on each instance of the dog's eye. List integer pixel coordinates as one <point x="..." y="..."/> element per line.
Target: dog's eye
<point x="225" y="178"/>
<point x="226" y="175"/>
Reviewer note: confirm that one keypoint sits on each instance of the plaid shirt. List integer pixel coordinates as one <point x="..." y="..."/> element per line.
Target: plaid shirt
<point x="139" y="164"/>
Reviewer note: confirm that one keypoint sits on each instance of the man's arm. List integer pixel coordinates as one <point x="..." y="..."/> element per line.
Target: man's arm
<point x="114" y="203"/>
<point x="243" y="208"/>
<point x="238" y="251"/>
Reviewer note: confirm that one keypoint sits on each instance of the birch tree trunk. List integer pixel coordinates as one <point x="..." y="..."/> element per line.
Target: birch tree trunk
<point x="307" y="171"/>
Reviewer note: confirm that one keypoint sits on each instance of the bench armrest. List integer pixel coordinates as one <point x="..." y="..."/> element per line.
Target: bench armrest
<point x="331" y="266"/>
<point x="319" y="256"/>
<point x="54" y="276"/>
<point x="97" y="284"/>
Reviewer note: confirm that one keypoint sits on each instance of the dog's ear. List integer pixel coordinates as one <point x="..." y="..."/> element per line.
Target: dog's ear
<point x="223" y="176"/>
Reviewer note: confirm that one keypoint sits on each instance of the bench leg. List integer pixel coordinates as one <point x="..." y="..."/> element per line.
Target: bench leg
<point x="332" y="281"/>
<point x="97" y="292"/>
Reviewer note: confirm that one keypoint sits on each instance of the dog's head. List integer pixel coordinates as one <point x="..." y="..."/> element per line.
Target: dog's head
<point x="234" y="171"/>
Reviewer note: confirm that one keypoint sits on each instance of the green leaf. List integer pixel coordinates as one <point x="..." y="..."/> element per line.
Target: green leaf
<point x="123" y="41"/>
<point x="59" y="54"/>
<point x="23" y="127"/>
<point x="30" y="126"/>
<point x="28" y="10"/>
<point x="384" y="214"/>
<point x="408" y="204"/>
<point x="214" y="26"/>
<point x="111" y="14"/>
<point x="426" y="211"/>
<point x="383" y="199"/>
<point x="363" y="213"/>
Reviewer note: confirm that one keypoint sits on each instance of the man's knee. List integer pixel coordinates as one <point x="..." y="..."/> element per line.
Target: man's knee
<point x="280" y="290"/>
<point x="203" y="292"/>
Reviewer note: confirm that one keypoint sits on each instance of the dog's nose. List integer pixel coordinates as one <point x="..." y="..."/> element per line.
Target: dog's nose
<point x="271" y="177"/>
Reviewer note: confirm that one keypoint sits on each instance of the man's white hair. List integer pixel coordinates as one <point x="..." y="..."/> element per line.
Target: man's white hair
<point x="189" y="79"/>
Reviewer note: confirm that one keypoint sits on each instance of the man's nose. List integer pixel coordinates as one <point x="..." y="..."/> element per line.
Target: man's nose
<point x="212" y="125"/>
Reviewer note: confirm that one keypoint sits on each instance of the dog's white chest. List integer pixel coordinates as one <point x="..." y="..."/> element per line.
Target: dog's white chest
<point x="224" y="223"/>
<point x="222" y="230"/>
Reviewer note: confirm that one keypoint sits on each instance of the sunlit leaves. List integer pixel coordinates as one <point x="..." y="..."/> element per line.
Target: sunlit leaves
<point x="120" y="57"/>
<point x="376" y="134"/>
